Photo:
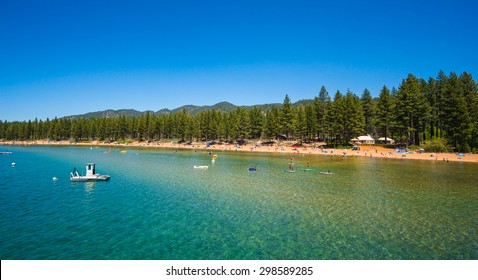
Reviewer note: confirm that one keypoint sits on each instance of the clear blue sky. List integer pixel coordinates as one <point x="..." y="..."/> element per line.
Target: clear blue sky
<point x="62" y="58"/>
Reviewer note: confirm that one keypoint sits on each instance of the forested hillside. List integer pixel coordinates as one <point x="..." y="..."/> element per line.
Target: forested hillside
<point x="441" y="111"/>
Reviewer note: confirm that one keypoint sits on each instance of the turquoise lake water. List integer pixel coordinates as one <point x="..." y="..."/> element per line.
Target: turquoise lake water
<point x="156" y="206"/>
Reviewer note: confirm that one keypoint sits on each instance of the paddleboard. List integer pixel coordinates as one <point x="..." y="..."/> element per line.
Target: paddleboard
<point x="307" y="169"/>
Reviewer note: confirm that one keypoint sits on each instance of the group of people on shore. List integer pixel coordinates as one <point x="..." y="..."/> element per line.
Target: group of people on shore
<point x="367" y="151"/>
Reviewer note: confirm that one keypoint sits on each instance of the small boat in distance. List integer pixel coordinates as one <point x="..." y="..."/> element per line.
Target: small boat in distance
<point x="326" y="173"/>
<point x="252" y="168"/>
<point x="201" y="167"/>
<point x="90" y="175"/>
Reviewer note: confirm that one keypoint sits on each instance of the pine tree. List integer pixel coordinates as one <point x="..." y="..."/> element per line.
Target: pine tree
<point x="2" y="129"/>
<point x="384" y="114"/>
<point x="335" y="115"/>
<point x="441" y="88"/>
<point x="193" y="130"/>
<point x="221" y="125"/>
<point x="142" y="126"/>
<point x="430" y="91"/>
<point x="311" y="121"/>
<point x="257" y="122"/>
<point x="353" y="117"/>
<point x="301" y="123"/>
<point x="181" y="129"/>
<point x="412" y="110"/>
<point x="271" y="123"/>
<point x="204" y="121"/>
<point x="457" y="123"/>
<point x="287" y="117"/>
<point x="215" y="123"/>
<point x="470" y="91"/>
<point x="368" y="108"/>
<point x="321" y="103"/>
<point x="122" y="127"/>
<point x="240" y="124"/>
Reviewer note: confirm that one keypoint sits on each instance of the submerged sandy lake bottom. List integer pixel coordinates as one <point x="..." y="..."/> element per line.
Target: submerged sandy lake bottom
<point x="157" y="206"/>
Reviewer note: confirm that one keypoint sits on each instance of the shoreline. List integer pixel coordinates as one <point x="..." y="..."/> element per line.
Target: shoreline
<point x="365" y="150"/>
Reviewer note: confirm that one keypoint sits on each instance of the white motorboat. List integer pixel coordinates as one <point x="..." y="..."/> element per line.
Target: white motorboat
<point x="91" y="175"/>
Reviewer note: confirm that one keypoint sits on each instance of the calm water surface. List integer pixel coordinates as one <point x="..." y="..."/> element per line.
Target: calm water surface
<point x="156" y="206"/>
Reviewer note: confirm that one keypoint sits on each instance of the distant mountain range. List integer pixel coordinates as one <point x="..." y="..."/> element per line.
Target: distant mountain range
<point x="191" y="109"/>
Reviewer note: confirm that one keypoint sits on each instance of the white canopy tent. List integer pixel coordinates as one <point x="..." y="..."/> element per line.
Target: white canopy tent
<point x="366" y="139"/>
<point x="388" y="140"/>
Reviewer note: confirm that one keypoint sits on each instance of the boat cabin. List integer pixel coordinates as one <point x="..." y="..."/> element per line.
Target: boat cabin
<point x="90" y="169"/>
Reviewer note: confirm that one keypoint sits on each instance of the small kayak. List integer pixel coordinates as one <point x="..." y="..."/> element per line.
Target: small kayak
<point x="326" y="173"/>
<point x="289" y="171"/>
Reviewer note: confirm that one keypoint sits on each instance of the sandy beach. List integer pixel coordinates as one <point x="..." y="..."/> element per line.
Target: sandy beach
<point x="281" y="147"/>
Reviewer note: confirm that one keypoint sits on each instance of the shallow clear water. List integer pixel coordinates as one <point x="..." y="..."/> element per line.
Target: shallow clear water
<point x="156" y="206"/>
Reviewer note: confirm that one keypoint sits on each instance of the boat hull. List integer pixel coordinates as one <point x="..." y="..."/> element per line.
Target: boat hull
<point x="90" y="178"/>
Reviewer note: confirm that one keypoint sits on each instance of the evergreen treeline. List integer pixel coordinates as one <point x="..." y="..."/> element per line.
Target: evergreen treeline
<point x="441" y="111"/>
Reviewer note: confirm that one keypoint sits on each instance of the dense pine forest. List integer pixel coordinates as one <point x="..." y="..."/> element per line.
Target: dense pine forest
<point x="440" y="114"/>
